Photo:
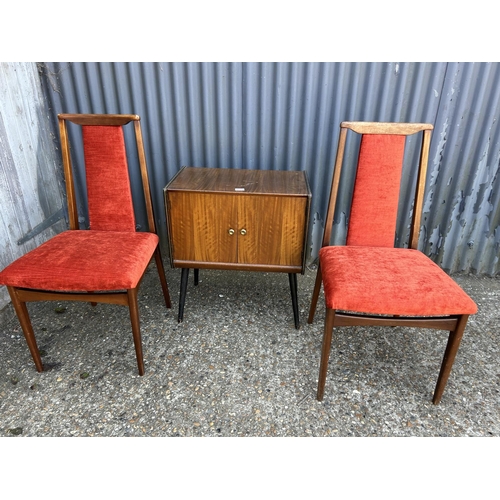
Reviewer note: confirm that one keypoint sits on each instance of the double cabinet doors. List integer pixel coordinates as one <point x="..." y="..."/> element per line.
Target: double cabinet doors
<point x="241" y="230"/>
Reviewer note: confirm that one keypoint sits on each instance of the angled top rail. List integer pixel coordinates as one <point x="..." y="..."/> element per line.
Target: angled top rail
<point x="92" y="119"/>
<point x="386" y="128"/>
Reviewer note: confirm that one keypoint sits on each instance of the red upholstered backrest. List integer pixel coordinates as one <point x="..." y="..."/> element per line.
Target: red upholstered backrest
<point x="108" y="184"/>
<point x="376" y="191"/>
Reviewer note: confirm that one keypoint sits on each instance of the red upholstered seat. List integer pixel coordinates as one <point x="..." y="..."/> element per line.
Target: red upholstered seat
<point x="82" y="261"/>
<point x="394" y="281"/>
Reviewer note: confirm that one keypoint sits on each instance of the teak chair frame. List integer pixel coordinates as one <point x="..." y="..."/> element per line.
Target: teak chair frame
<point x="20" y="296"/>
<point x="454" y="324"/>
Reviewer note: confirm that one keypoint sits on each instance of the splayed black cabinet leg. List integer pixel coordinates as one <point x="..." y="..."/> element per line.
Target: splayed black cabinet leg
<point x="292" y="277"/>
<point x="182" y="296"/>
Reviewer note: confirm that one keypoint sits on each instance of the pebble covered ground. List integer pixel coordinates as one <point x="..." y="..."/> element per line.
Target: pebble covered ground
<point x="236" y="366"/>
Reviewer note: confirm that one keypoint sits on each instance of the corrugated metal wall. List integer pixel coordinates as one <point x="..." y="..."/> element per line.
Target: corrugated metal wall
<point x="31" y="186"/>
<point x="285" y="116"/>
<point x="462" y="206"/>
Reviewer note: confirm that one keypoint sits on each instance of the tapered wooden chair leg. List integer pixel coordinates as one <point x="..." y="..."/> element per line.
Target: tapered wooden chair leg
<point x="314" y="300"/>
<point x="163" y="280"/>
<point x="325" y="352"/>
<point x="24" y="320"/>
<point x="136" y="331"/>
<point x="93" y="304"/>
<point x="452" y="346"/>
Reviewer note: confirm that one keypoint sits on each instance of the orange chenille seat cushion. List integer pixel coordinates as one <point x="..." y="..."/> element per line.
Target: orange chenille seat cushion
<point x="84" y="261"/>
<point x="395" y="281"/>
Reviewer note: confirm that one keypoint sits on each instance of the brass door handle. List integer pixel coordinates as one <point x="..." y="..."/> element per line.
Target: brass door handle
<point x="243" y="232"/>
<point x="231" y="231"/>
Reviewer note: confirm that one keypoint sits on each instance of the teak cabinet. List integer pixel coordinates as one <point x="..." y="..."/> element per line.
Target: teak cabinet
<point x="236" y="219"/>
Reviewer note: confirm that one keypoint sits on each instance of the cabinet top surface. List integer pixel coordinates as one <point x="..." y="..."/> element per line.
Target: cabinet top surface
<point x="204" y="179"/>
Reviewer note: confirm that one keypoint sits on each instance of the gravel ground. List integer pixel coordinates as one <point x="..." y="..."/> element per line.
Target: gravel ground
<point x="236" y="366"/>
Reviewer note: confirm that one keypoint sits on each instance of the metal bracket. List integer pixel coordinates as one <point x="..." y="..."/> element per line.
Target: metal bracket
<point x="42" y="226"/>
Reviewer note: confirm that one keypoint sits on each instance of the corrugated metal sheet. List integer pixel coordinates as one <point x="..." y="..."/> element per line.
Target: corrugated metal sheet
<point x="30" y="181"/>
<point x="285" y="116"/>
<point x="462" y="208"/>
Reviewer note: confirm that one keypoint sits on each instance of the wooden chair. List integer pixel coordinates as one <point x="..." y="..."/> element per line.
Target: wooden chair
<point x="106" y="263"/>
<point x="368" y="281"/>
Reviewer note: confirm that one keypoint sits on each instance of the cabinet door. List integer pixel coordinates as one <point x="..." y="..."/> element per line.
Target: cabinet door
<point x="200" y="225"/>
<point x="274" y="229"/>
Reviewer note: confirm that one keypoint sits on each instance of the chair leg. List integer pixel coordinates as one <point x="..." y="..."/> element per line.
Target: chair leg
<point x="163" y="280"/>
<point x="136" y="331"/>
<point x="93" y="304"/>
<point x="314" y="300"/>
<point x="24" y="320"/>
<point x="325" y="352"/>
<point x="196" y="276"/>
<point x="449" y="357"/>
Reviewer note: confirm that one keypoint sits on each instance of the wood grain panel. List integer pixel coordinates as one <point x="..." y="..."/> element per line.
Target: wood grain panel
<point x="200" y="224"/>
<point x="223" y="180"/>
<point x="274" y="230"/>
